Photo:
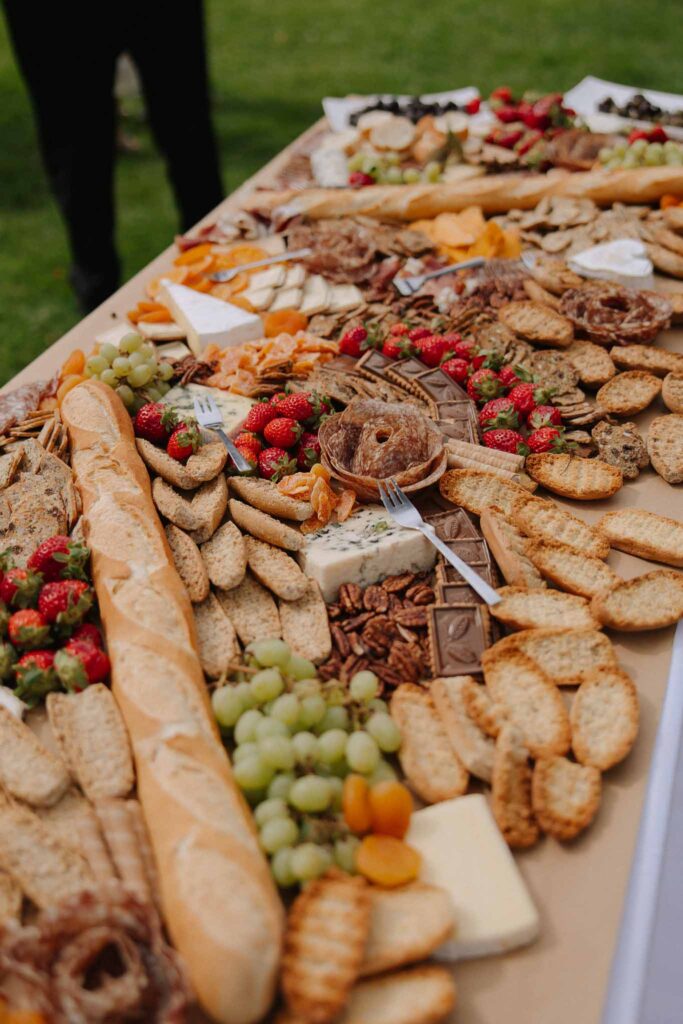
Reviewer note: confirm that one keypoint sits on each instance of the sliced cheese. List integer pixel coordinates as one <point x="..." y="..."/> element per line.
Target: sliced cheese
<point x="295" y="277"/>
<point x="271" y="277"/>
<point x="234" y="408"/>
<point x="260" y="298"/>
<point x="286" y="298"/>
<point x="11" y="703"/>
<point x="209" y="321"/>
<point x="316" y="296"/>
<point x="344" y="296"/>
<point x="624" y="260"/>
<point x="464" y="852"/>
<point x="160" y="332"/>
<point x="173" y="350"/>
<point x="330" y="168"/>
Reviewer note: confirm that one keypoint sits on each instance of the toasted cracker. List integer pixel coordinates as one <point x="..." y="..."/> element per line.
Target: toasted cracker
<point x="537" y="322"/>
<point x="543" y="609"/>
<point x="120" y="832"/>
<point x="93" y="740"/>
<point x="201" y="467"/>
<point x="429" y="762"/>
<point x="629" y="392"/>
<point x="511" y="789"/>
<point x="264" y="495"/>
<point x="651" y="601"/>
<point x="11" y="898"/>
<point x="665" y="446"/>
<point x="604" y="718"/>
<point x="264" y="527"/>
<point x="275" y="570"/>
<point x="216" y="636"/>
<point x="189" y="563"/>
<point x="475" y="489"/>
<point x="198" y="511"/>
<point x="9" y="464"/>
<point x="537" y="293"/>
<point x="28" y="770"/>
<point x="252" y="610"/>
<point x="544" y="520"/>
<point x="531" y="700"/>
<point x="659" y="361"/>
<point x="305" y="625"/>
<point x="73" y="823"/>
<point x="665" y="260"/>
<point x="507" y="544"/>
<point x="645" y="534"/>
<point x="488" y="716"/>
<point x="567" y="656"/>
<point x="225" y="557"/>
<point x="565" y="796"/>
<point x="406" y="925"/>
<point x="672" y="391"/>
<point x="569" y="570"/>
<point x="327" y="929"/>
<point x="473" y="745"/>
<point x="593" y="364"/>
<point x="574" y="477"/>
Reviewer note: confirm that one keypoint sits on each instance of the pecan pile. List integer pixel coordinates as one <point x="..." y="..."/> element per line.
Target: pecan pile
<point x="382" y="627"/>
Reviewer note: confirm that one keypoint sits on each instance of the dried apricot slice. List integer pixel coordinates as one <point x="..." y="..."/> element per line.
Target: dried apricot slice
<point x="356" y="803"/>
<point x="287" y="321"/>
<point x="387" y="861"/>
<point x="67" y="384"/>
<point x="74" y="363"/>
<point x="193" y="255"/>
<point x="176" y="274"/>
<point x="391" y="805"/>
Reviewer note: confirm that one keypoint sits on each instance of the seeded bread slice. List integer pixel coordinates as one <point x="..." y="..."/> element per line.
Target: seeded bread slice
<point x="472" y="745"/>
<point x="305" y="626"/>
<point x="651" y="601"/>
<point x="644" y="534"/>
<point x="543" y="609"/>
<point x="264" y="527"/>
<point x="511" y="789"/>
<point x="604" y="719"/>
<point x="216" y="636"/>
<point x="275" y="570"/>
<point x="431" y="766"/>
<point x="568" y="569"/>
<point x="264" y="495"/>
<point x="252" y="610"/>
<point x="188" y="562"/>
<point x="568" y="656"/>
<point x="225" y="557"/>
<point x="565" y="796"/>
<point x="28" y="770"/>
<point x="545" y="520"/>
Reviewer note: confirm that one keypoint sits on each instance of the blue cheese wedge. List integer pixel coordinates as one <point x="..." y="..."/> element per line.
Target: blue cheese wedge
<point x="233" y="407"/>
<point x="464" y="853"/>
<point x="365" y="549"/>
<point x="209" y="321"/>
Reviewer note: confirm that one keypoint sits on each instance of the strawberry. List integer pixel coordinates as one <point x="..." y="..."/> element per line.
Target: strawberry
<point x="276" y="398"/>
<point x="465" y="349"/>
<point x="59" y="558"/>
<point x="472" y="106"/>
<point x="184" y="441"/>
<point x="359" y="180"/>
<point x="79" y="664"/>
<point x="397" y="346"/>
<point x="274" y="463"/>
<point x="503" y="94"/>
<point x="511" y="375"/>
<point x="491" y="360"/>
<point x="350" y="344"/>
<point x="399" y="329"/>
<point x="282" y="432"/>
<point x="499" y="413"/>
<point x="506" y="441"/>
<point x="297" y="406"/>
<point x="483" y="384"/>
<point x="418" y="333"/>
<point x="89" y="633"/>
<point x="155" y="422"/>
<point x="457" y="369"/>
<point x="544" y="416"/>
<point x="308" y="452"/>
<point x="432" y="350"/>
<point x="548" y="439"/>
<point x="247" y="440"/>
<point x="19" y="587"/>
<point x="4" y="618"/>
<point x="527" y="396"/>
<point x="28" y="628"/>
<point x="65" y="602"/>
<point x="258" y="416"/>
<point x="249" y="453"/>
<point x="8" y="657"/>
<point x="35" y="676"/>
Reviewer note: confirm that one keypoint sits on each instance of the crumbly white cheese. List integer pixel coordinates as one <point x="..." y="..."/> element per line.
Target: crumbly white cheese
<point x="464" y="852"/>
<point x="625" y="260"/>
<point x="233" y="407"/>
<point x="207" y="320"/>
<point x="365" y="549"/>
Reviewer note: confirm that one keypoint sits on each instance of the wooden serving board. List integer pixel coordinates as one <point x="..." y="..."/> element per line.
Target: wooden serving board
<point x="578" y="887"/>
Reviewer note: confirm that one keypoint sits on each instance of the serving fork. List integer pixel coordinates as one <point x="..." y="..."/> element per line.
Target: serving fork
<point x="223" y="276"/>
<point x="409" y="285"/>
<point x="401" y="509"/>
<point x="210" y="417"/>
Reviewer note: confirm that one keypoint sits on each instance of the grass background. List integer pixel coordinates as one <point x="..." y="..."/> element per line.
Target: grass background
<point x="271" y="63"/>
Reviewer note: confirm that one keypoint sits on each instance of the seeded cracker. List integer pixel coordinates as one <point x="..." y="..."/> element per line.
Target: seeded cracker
<point x="544" y="520"/>
<point x="252" y="610"/>
<point x="574" y="477"/>
<point x="569" y="570"/>
<point x="427" y="758"/>
<point x="642" y="533"/>
<point x="472" y="745"/>
<point x="651" y="601"/>
<point x="567" y="656"/>
<point x="665" y="447"/>
<point x="541" y="609"/>
<point x="565" y="796"/>
<point x="629" y="392"/>
<point x="604" y="719"/>
<point x="511" y="789"/>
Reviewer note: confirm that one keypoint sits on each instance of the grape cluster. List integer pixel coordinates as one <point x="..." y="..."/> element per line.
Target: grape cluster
<point x="642" y="153"/>
<point x="293" y="740"/>
<point x="386" y="170"/>
<point x="132" y="369"/>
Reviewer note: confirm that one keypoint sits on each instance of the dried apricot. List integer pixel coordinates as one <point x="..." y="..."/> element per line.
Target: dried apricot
<point x="387" y="861"/>
<point x="176" y="274"/>
<point x="391" y="805"/>
<point x="156" y="316"/>
<point x="193" y="255"/>
<point x="287" y="321"/>
<point x="67" y="384"/>
<point x="668" y="200"/>
<point x="73" y="363"/>
<point x="239" y="300"/>
<point x="356" y="803"/>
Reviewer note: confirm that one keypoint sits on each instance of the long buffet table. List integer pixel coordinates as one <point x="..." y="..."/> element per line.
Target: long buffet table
<point x="579" y="887"/>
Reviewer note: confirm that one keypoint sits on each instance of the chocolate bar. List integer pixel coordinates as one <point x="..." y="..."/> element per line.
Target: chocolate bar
<point x="474" y="552"/>
<point x="458" y="636"/>
<point x="374" y="364"/>
<point x="439" y="386"/>
<point x="449" y="574"/>
<point x="452" y="525"/>
<point x="457" y="593"/>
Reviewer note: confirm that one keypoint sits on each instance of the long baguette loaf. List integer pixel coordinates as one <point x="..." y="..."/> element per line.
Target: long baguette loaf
<point x="219" y="901"/>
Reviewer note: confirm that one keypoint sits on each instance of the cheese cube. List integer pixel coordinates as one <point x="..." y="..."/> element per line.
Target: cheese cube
<point x="365" y="549"/>
<point x="208" y="321"/>
<point x="464" y="852"/>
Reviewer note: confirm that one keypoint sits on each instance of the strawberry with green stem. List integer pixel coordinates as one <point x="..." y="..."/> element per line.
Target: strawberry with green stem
<point x="35" y="676"/>
<point x="28" y="628"/>
<point x="282" y="432"/>
<point x="506" y="441"/>
<point x="65" y="602"/>
<point x="58" y="558"/>
<point x="483" y="385"/>
<point x="499" y="413"/>
<point x="155" y="422"/>
<point x="79" y="664"/>
<point x="274" y="463"/>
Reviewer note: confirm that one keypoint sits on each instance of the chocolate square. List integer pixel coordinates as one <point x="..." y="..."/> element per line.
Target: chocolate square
<point x="374" y="363"/>
<point x="456" y="410"/>
<point x="457" y="430"/>
<point x="474" y="552"/>
<point x="457" y="593"/>
<point x="439" y="386"/>
<point x="408" y="368"/>
<point x="449" y="574"/>
<point x="453" y="525"/>
<point x="458" y="636"/>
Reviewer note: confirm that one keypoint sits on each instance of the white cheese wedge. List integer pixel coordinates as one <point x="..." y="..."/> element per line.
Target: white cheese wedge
<point x="271" y="277"/>
<point x="286" y="298"/>
<point x="365" y="549"/>
<point x="316" y="296"/>
<point x="296" y="276"/>
<point x="207" y="321"/>
<point x="260" y="298"/>
<point x="624" y="260"/>
<point x="464" y="852"/>
<point x="11" y="703"/>
<point x="345" y="296"/>
<point x="233" y="407"/>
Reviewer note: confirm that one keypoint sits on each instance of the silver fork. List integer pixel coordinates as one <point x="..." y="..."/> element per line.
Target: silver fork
<point x="224" y="276"/>
<point x="409" y="285"/>
<point x="210" y="417"/>
<point x="401" y="509"/>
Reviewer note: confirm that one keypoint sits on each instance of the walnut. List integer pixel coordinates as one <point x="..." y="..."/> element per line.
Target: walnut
<point x="357" y="622"/>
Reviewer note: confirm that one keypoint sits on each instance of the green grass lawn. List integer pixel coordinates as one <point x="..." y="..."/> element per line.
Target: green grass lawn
<point x="271" y="63"/>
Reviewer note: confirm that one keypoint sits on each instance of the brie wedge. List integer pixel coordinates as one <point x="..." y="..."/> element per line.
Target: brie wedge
<point x="624" y="260"/>
<point x="208" y="321"/>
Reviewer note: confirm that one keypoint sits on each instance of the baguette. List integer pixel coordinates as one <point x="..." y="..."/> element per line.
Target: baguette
<point x="219" y="901"/>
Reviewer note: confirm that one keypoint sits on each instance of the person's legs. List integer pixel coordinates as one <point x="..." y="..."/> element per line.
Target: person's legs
<point x="67" y="59"/>
<point x="170" y="54"/>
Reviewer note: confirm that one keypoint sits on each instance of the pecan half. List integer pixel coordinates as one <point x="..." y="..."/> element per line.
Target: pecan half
<point x="334" y="611"/>
<point x="421" y="594"/>
<point x="394" y="584"/>
<point x="340" y="640"/>
<point x="356" y="644"/>
<point x="357" y="622"/>
<point x="407" y="660"/>
<point x="351" y="597"/>
<point x="376" y="599"/>
<point x="413" y="618"/>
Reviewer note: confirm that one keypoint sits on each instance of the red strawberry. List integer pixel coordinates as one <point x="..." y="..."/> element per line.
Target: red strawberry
<point x="433" y="349"/>
<point x="472" y="107"/>
<point x="275" y="399"/>
<point x="499" y="413"/>
<point x="457" y="369"/>
<point x="548" y="439"/>
<point x="511" y="375"/>
<point x="249" y="453"/>
<point x="527" y="396"/>
<point x="65" y="602"/>
<point x="308" y="452"/>
<point x="359" y="180"/>
<point x="258" y="416"/>
<point x="544" y="416"/>
<point x="88" y="633"/>
<point x="154" y="422"/>
<point x="35" y="676"/>
<point x="296" y="407"/>
<point x="505" y="441"/>
<point x="350" y="344"/>
<point x="59" y="558"/>
<point x="274" y="463"/>
<point x="503" y="94"/>
<point x="397" y="346"/>
<point x="247" y="440"/>
<point x="282" y="432"/>
<point x="492" y="360"/>
<point x="418" y="333"/>
<point x="399" y="329"/>
<point x="79" y="664"/>
<point x="19" y="588"/>
<point x="465" y="349"/>
<point x="28" y="628"/>
<point x="184" y="441"/>
<point x="8" y="657"/>
<point x="483" y="384"/>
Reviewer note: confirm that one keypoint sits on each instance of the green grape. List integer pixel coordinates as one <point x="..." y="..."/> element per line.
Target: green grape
<point x="305" y="746"/>
<point x="136" y="359"/>
<point x="382" y="773"/>
<point x="246" y="696"/>
<point x="605" y="154"/>
<point x="138" y="401"/>
<point x="639" y="147"/>
<point x="266" y="685"/>
<point x="299" y="668"/>
<point x="245" y="729"/>
<point x="620" y="149"/>
<point x="165" y="371"/>
<point x="281" y="785"/>
<point x="654" y="154"/>
<point x="278" y="833"/>
<point x="310" y="793"/>
<point x="148" y="350"/>
<point x="337" y="786"/>
<point x="411" y="175"/>
<point x="332" y="745"/>
<point x="345" y="852"/>
<point x="252" y="773"/>
<point x="269" y="653"/>
<point x="287" y="709"/>
<point x="108" y="352"/>
<point x="432" y="171"/>
<point x="271" y="808"/>
<point x="309" y="861"/>
<point x="130" y="343"/>
<point x="126" y="395"/>
<point x="140" y="376"/>
<point x="152" y="394"/>
<point x="227" y="706"/>
<point x="369" y="163"/>
<point x="121" y="366"/>
<point x="392" y="158"/>
<point x="378" y="705"/>
<point x="355" y="162"/>
<point x="674" y="158"/>
<point x="335" y="693"/>
<point x="384" y="731"/>
<point x="394" y="176"/>
<point x="613" y="164"/>
<point x="364" y="686"/>
<point x="334" y="718"/>
<point x="277" y="751"/>
<point x="163" y="388"/>
<point x="95" y="365"/>
<point x="312" y="711"/>
<point x="249" y="749"/>
<point x="254" y="796"/>
<point x="362" y="753"/>
<point x="271" y="727"/>
<point x="630" y="161"/>
<point x="281" y="866"/>
<point x="109" y="378"/>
